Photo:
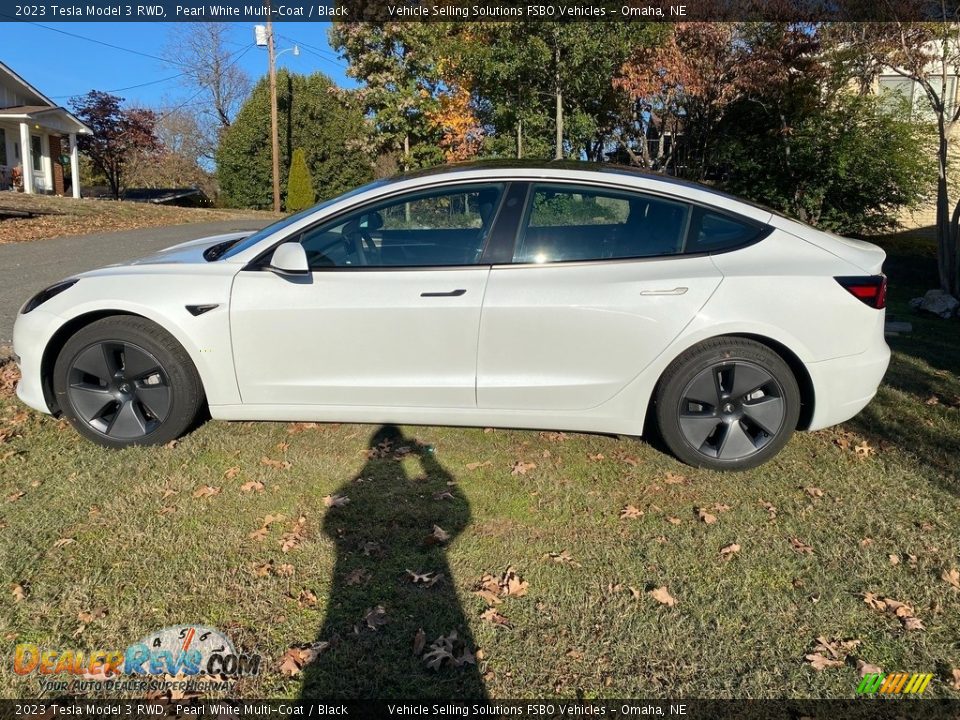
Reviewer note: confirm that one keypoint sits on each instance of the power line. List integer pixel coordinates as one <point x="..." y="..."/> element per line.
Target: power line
<point x="131" y="87"/>
<point x="203" y="89"/>
<point x="319" y="52"/>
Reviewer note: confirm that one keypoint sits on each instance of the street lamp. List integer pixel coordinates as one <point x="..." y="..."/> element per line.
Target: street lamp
<point x="263" y="35"/>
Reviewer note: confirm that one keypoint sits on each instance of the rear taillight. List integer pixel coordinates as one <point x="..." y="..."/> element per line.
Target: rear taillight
<point x="869" y="289"/>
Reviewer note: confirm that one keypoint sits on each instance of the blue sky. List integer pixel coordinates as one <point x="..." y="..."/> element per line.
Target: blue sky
<point x="61" y="66"/>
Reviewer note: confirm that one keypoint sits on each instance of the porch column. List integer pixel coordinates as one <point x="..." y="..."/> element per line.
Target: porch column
<point x="74" y="166"/>
<point x="26" y="158"/>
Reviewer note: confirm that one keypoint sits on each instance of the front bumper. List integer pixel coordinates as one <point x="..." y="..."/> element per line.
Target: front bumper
<point x="31" y="335"/>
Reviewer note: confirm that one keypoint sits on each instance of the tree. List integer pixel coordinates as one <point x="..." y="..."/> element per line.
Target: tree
<point x="176" y="160"/>
<point x="210" y="70"/>
<point x="462" y="134"/>
<point x="326" y="123"/>
<point x="300" y="192"/>
<point x="927" y="54"/>
<point x="119" y="135"/>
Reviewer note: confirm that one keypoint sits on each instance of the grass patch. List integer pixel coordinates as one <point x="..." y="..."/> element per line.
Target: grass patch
<point x="58" y="216"/>
<point x="151" y="553"/>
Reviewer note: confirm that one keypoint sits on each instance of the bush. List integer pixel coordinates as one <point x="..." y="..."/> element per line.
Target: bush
<point x="300" y="193"/>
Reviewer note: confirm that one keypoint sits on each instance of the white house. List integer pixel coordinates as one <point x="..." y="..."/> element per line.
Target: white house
<point x="33" y="133"/>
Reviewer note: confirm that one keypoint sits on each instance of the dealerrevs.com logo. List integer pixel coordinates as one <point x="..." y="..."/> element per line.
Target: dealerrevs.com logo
<point x="894" y="683"/>
<point x="174" y="654"/>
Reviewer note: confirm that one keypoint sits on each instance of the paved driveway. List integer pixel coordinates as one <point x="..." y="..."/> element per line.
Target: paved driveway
<point x="28" y="267"/>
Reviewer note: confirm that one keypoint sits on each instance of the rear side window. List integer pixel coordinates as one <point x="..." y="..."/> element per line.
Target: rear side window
<point x="568" y="223"/>
<point x="712" y="232"/>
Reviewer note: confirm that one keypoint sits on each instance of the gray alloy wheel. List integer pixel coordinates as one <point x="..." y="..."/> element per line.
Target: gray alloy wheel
<point x="731" y="410"/>
<point x="119" y="389"/>
<point x="124" y="380"/>
<point x="728" y="403"/>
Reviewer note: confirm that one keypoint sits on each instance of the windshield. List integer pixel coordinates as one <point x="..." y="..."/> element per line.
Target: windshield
<point x="269" y="230"/>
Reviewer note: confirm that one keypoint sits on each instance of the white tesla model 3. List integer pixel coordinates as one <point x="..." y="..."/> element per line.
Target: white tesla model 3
<point x="562" y="296"/>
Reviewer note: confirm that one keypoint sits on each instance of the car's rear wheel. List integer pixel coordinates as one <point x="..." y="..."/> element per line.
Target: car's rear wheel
<point x="727" y="404"/>
<point x="124" y="380"/>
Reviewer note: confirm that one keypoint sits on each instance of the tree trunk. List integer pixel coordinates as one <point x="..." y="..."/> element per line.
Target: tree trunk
<point x="558" y="153"/>
<point x="947" y="265"/>
<point x="519" y="139"/>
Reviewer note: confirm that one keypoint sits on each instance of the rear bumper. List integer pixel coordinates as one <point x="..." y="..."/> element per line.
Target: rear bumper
<point x="844" y="386"/>
<point x="31" y="334"/>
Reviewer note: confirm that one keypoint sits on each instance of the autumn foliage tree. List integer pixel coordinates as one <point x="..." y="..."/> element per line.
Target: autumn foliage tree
<point x="461" y="132"/>
<point x="120" y="135"/>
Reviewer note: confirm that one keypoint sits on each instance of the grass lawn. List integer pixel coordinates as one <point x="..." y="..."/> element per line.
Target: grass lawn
<point x="59" y="216"/>
<point x="99" y="548"/>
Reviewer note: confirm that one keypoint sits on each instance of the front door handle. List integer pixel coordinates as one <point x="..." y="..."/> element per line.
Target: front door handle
<point x="452" y="293"/>
<point x="671" y="291"/>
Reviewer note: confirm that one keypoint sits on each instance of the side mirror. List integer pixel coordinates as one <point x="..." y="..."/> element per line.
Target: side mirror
<point x="290" y="259"/>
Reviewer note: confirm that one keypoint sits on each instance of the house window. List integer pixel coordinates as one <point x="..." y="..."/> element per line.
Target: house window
<point x="914" y="94"/>
<point x="3" y="146"/>
<point x="37" y="150"/>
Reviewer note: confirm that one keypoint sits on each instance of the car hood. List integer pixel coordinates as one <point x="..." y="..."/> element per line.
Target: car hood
<point x="188" y="252"/>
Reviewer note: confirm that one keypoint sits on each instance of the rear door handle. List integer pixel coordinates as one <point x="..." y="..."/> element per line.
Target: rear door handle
<point x="452" y="293"/>
<point x="671" y="291"/>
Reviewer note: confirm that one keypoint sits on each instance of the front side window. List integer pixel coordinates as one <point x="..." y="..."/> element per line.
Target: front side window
<point x="570" y="223"/>
<point x="37" y="151"/>
<point x="439" y="227"/>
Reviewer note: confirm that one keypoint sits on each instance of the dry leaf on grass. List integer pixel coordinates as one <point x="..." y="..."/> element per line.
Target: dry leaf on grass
<point x="865" y="668"/>
<point x="419" y="641"/>
<point x="298" y="427"/>
<point x="206" y="491"/>
<point x="20" y="591"/>
<point x="662" y="596"/>
<point x="491" y="615"/>
<point x="231" y="472"/>
<point x="770" y="508"/>
<point x="478" y="465"/>
<point x="13" y="497"/>
<point x="704" y="516"/>
<point x="252" y="486"/>
<point x="864" y="450"/>
<point x="819" y="662"/>
<point x="729" y="551"/>
<point x="673" y="520"/>
<point x="955" y="681"/>
<point x="493" y="589"/>
<point x="800" y="546"/>
<point x="599" y="457"/>
<point x="427" y="579"/>
<point x="283" y="446"/>
<point x="893" y="559"/>
<point x="521" y="467"/>
<point x="63" y="542"/>
<point x="951" y="577"/>
<point x="89" y="616"/>
<point x="443" y="495"/>
<point x="166" y="510"/>
<point x="285" y="570"/>
<point x="357" y="576"/>
<point x="901" y="610"/>
<point x="307" y="598"/>
<point x="630" y="512"/>
<point x="437" y="537"/>
<point x="276" y="464"/>
<point x="293" y="538"/>
<point x="448" y="650"/>
<point x="561" y="558"/>
<point x="331" y="501"/>
<point x="376" y="617"/>
<point x="299" y="656"/>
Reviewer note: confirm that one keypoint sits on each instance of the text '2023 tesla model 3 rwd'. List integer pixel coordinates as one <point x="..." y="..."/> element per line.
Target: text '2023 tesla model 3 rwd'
<point x="562" y="296"/>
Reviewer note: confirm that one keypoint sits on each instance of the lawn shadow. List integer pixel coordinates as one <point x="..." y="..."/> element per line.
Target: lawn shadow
<point x="386" y="529"/>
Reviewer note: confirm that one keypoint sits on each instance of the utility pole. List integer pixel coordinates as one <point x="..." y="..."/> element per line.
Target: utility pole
<point x="274" y="130"/>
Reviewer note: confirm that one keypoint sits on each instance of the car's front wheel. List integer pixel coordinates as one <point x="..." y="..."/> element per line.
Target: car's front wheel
<point x="124" y="380"/>
<point x="727" y="404"/>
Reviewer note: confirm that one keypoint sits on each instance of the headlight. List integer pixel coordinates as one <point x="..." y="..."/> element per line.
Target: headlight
<point x="41" y="297"/>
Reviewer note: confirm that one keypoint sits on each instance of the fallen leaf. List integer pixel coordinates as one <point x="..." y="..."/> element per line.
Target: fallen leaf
<point x="866" y="542"/>
<point x="335" y="500"/>
<point x="955" y="682"/>
<point x="376" y="617"/>
<point x="554" y="436"/>
<point x="292" y="539"/>
<point x="865" y="668"/>
<point x="263" y="569"/>
<point x="864" y="450"/>
<point x="427" y="579"/>
<point x="259" y="534"/>
<point x="169" y="492"/>
<point x="599" y="457"/>
<point x="951" y="577"/>
<point x="436" y="657"/>
<point x="277" y="464"/>
<point x="443" y="495"/>
<point x="231" y="473"/>
<point x="63" y="542"/>
<point x="705" y="517"/>
<point x="285" y="570"/>
<point x="491" y="615"/>
<point x="13" y="497"/>
<point x="357" y="576"/>
<point x="297" y="657"/>
<point x="512" y="585"/>
<point x="630" y="512"/>
<point x="299" y="427"/>
<point x="673" y="520"/>
<point x="671" y="478"/>
<point x="437" y="537"/>
<point x="19" y="592"/>
<point x="419" y="641"/>
<point x="478" y="465"/>
<point x="563" y="558"/>
<point x="283" y="446"/>
<point x="662" y="596"/>
<point x="206" y="491"/>
<point x="371" y="549"/>
<point x="819" y="662"/>
<point x="307" y="598"/>
<point x="166" y="510"/>
<point x="729" y="551"/>
<point x="172" y="444"/>
<point x="770" y="508"/>
<point x="89" y="616"/>
<point x="252" y="486"/>
<point x="800" y="546"/>
<point x="813" y="492"/>
<point x="522" y="468"/>
<point x="894" y="559"/>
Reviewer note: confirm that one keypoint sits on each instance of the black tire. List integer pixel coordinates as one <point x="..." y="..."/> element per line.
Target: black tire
<point x="737" y="395"/>
<point x="124" y="381"/>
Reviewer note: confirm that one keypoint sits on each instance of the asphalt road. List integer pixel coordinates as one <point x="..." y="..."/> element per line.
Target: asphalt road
<point x="28" y="267"/>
